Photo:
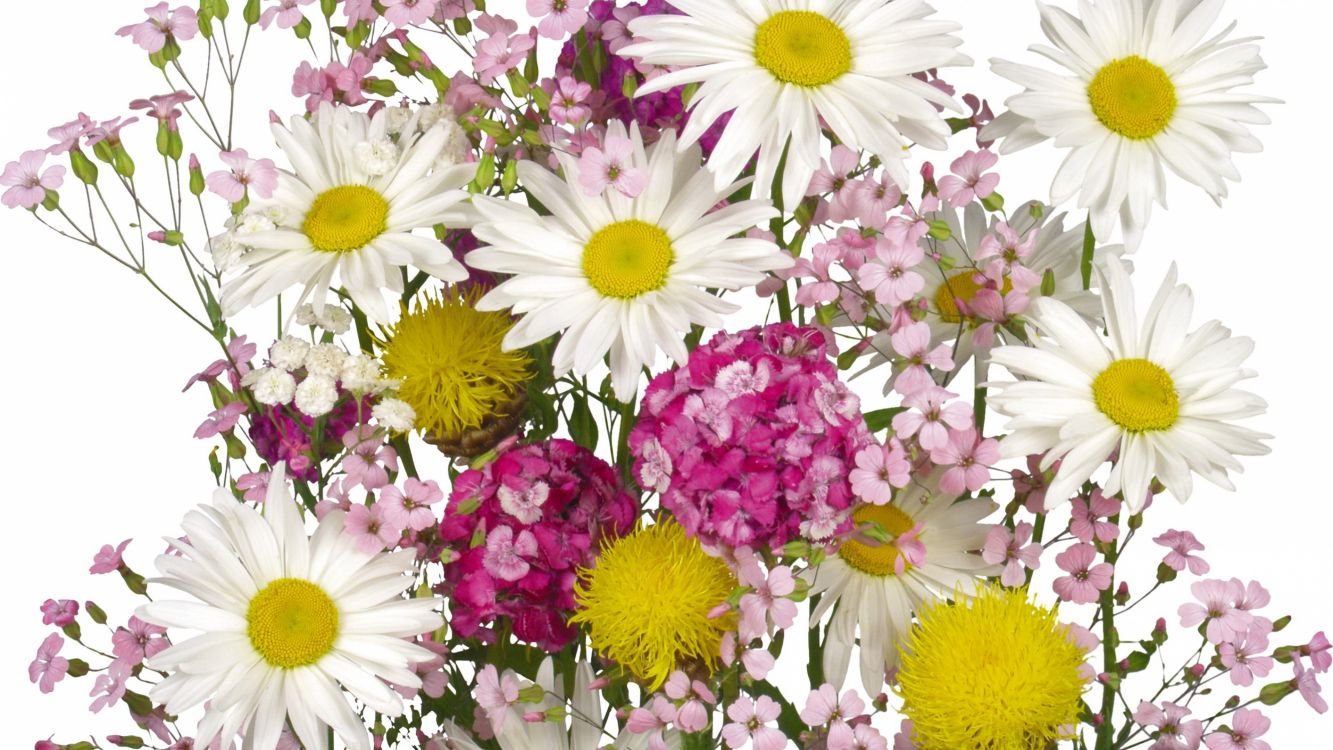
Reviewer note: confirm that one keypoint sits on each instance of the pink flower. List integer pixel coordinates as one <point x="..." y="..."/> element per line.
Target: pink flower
<point x="567" y="101"/>
<point x="1012" y="549"/>
<point x="968" y="181"/>
<point x="912" y="343"/>
<point x="49" y="667"/>
<point x="287" y="13"/>
<point x="880" y="468"/>
<point x="1244" y="658"/>
<point x="245" y="172"/>
<point x="1251" y="596"/>
<point x="236" y="364"/>
<point x="495" y="693"/>
<point x="499" y="52"/>
<point x="1181" y="544"/>
<point x="1246" y="725"/>
<point x="1225" y="621"/>
<point x="749" y="721"/>
<point x="107" y="560"/>
<point x="889" y="274"/>
<point x="903" y="739"/>
<point x="220" y="420"/>
<point x="1011" y="251"/>
<point x="507" y="555"/>
<point x="560" y="18"/>
<point x="1085" y="581"/>
<point x="371" y="530"/>
<point x="824" y="707"/>
<point x="67" y="136"/>
<point x="254" y="485"/>
<point x="180" y="24"/>
<point x="111" y="685"/>
<point x="1308" y="686"/>
<point x="27" y="182"/>
<point x="59" y="613"/>
<point x="929" y="419"/>
<point x="1086" y="512"/>
<point x="524" y="500"/>
<point x="768" y="601"/>
<point x="109" y="131"/>
<point x="968" y="455"/>
<point x="138" y="641"/>
<point x="163" y="107"/>
<point x="1173" y="733"/>
<point x="609" y="165"/>
<point x="369" y="460"/>
<point x="874" y="197"/>
<point x="1318" y="652"/>
<point x="410" y="507"/>
<point x="409" y="12"/>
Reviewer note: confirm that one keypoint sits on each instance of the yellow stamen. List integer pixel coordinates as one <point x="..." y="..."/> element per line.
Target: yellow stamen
<point x="803" y="48"/>
<point x="628" y="258"/>
<point x="292" y="623"/>
<point x="1133" y="97"/>
<point x="345" y="218"/>
<point x="873" y="558"/>
<point x="1137" y="395"/>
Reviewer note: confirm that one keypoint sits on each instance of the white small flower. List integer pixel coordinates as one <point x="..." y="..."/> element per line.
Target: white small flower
<point x="226" y="251"/>
<point x="252" y="223"/>
<point x="396" y="118"/>
<point x="325" y="359"/>
<point x="276" y="213"/>
<point x="456" y="146"/>
<point x="288" y="353"/>
<point x="271" y="386"/>
<point x="431" y="114"/>
<point x="316" y="395"/>
<point x="361" y="374"/>
<point x="336" y="320"/>
<point x="395" y="414"/>
<point x="376" y="157"/>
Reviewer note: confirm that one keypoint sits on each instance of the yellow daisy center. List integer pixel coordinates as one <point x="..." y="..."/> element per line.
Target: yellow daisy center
<point x="292" y="623"/>
<point x="803" y="48"/>
<point x="996" y="672"/>
<point x="1133" y="97"/>
<point x="345" y="218"/>
<point x="961" y="286"/>
<point x="870" y="557"/>
<point x="647" y="599"/>
<point x="451" y="362"/>
<point x="1137" y="395"/>
<point x="628" y="258"/>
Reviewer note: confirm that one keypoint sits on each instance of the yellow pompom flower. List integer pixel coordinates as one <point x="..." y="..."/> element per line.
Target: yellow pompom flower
<point x="453" y="372"/>
<point x="993" y="672"/>
<point x="646" y="602"/>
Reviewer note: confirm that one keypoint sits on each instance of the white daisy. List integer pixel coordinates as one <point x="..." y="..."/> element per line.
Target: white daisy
<point x="1143" y="89"/>
<point x="1160" y="396"/>
<point x="877" y="601"/>
<point x="342" y="216"/>
<point x="781" y="65"/>
<point x="617" y="273"/>
<point x="288" y="623"/>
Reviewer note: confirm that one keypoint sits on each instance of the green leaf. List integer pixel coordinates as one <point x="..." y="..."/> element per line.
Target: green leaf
<point x="138" y="703"/>
<point x="847" y="359"/>
<point x="1089" y="247"/>
<point x="880" y="419"/>
<point x="582" y="423"/>
<point x="1138" y="661"/>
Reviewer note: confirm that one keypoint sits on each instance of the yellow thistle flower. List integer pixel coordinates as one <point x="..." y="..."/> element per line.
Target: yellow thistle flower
<point x="448" y="357"/>
<point x="994" y="672"/>
<point x="646" y="601"/>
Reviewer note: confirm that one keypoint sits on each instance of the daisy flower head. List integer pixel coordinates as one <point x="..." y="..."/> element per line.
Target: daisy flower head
<point x="1142" y="92"/>
<point x="779" y="66"/>
<point x="287" y="623"/>
<point x="1159" y="396"/>
<point x="619" y="274"/>
<point x="348" y="210"/>
<point x="877" y="585"/>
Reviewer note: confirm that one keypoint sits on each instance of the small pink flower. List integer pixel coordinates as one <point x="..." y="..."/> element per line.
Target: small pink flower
<point x="164" y="107"/>
<point x="409" y="12"/>
<point x="560" y="18"/>
<point x="27" y="182"/>
<point x="929" y="419"/>
<point x="654" y="720"/>
<point x="524" y="502"/>
<point x="1009" y="251"/>
<point x="499" y="53"/>
<point x="889" y="275"/>
<point x="180" y="24"/>
<point x="107" y="560"/>
<point x="410" y="506"/>
<point x="59" y="613"/>
<point x="1244" y="656"/>
<point x="567" y="103"/>
<point x="1181" y="544"/>
<point x="220" y="420"/>
<point x="967" y="455"/>
<point x="507" y="555"/>
<point x="1173" y="732"/>
<point x="610" y="165"/>
<point x="259" y="174"/>
<point x="1085" y="523"/>
<point x="692" y="716"/>
<point x="138" y="641"/>
<point x="880" y="468"/>
<point x="969" y="181"/>
<point x="1085" y="581"/>
<point x="286" y="12"/>
<point x="495" y="693"/>
<point x="67" y="136"/>
<point x="111" y="685"/>
<point x="1309" y="688"/>
<point x="1225" y="621"/>
<point x="1246" y="725"/>
<point x="874" y="197"/>
<point x="371" y="530"/>
<point x="1317" y="650"/>
<point x="1012" y="549"/>
<point x="912" y="343"/>
<point x="369" y="460"/>
<point x="49" y="667"/>
<point x="254" y="485"/>
<point x="236" y="365"/>
<point x="824" y="707"/>
<point x="1251" y="596"/>
<point x="768" y="601"/>
<point x="749" y="721"/>
<point x="903" y="739"/>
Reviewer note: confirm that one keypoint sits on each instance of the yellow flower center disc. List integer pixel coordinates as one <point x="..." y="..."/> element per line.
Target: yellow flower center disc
<point x="873" y="558"/>
<point x="1137" y="395"/>
<point x="292" y="623"/>
<point x="628" y="258"/>
<point x="1133" y="97"/>
<point x="803" y="48"/>
<point x="961" y="286"/>
<point x="345" y="218"/>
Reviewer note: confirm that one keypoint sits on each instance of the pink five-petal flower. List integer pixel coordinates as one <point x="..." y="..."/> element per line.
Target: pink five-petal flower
<point x="59" y="613"/>
<point x="929" y="419"/>
<point x="567" y="102"/>
<point x="410" y="506"/>
<point x="889" y="273"/>
<point x="880" y="468"/>
<point x="49" y="667"/>
<point x="27" y="182"/>
<point x="967" y="455"/>
<point x="107" y="559"/>
<point x="1244" y="656"/>
<point x="560" y="18"/>
<point x="1012" y="549"/>
<point x="180" y="24"/>
<point x="1085" y="581"/>
<point x="164" y="107"/>
<point x="1218" y="600"/>
<point x="286" y="12"/>
<point x="371" y="529"/>
<point x="1308" y="686"/>
<point x="609" y="165"/>
<point x="1318" y="652"/>
<point x="220" y="420"/>
<point x="138" y="641"/>
<point x="1086" y="514"/>
<point x="1246" y="725"/>
<point x="823" y="706"/>
<point x="409" y="12"/>
<point x="110" y="685"/>
<point x="768" y="601"/>
<point x="259" y="174"/>
<point x="499" y="52"/>
<point x="1173" y="731"/>
<point x="749" y="721"/>
<point x="495" y="693"/>
<point x="912" y="343"/>
<point x="969" y="181"/>
<point x="1181" y="544"/>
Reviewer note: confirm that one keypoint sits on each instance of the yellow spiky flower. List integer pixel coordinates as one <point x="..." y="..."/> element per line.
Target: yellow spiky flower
<point x="448" y="357"/>
<point x="647" y="598"/>
<point x="994" y="672"/>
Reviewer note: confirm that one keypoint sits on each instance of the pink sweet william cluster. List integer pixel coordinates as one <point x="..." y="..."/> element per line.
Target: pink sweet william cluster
<point x="527" y="521"/>
<point x="751" y="443"/>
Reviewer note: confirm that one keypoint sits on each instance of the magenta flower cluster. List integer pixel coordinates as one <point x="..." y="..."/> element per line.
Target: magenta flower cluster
<point x="525" y="522"/>
<point x="752" y="441"/>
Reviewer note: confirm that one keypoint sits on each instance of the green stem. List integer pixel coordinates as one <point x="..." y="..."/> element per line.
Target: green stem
<point x="1105" y="732"/>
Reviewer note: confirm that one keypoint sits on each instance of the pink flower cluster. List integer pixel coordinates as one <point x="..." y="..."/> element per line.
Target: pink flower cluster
<point x="541" y="510"/>
<point x="683" y="703"/>
<point x="751" y="442"/>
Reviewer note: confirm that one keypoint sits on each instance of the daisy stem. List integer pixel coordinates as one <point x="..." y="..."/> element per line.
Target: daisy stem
<point x="1105" y="731"/>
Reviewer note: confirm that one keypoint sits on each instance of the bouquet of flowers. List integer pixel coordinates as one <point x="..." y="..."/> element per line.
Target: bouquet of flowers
<point x="648" y="335"/>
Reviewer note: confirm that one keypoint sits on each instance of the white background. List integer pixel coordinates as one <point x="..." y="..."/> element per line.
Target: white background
<point x="97" y="446"/>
